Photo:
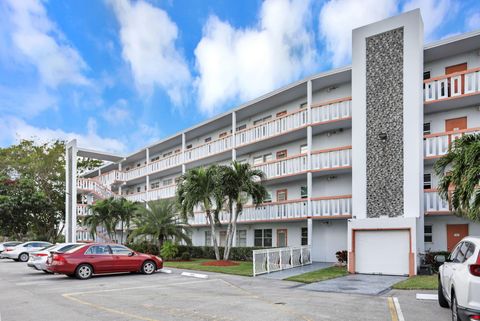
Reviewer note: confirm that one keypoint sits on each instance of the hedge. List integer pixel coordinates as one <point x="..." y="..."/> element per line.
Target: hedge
<point x="198" y="252"/>
<point x="429" y="258"/>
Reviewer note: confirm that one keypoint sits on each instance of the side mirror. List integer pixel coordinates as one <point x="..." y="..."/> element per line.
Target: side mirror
<point x="131" y="253"/>
<point x="440" y="258"/>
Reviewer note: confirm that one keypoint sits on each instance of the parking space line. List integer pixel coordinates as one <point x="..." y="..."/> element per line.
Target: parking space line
<point x="391" y="308"/>
<point x="398" y="309"/>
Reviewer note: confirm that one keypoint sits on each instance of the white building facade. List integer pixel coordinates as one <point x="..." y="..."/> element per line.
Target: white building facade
<point x="348" y="154"/>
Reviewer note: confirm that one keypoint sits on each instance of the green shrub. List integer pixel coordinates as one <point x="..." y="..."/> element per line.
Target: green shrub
<point x="185" y="256"/>
<point x="145" y="247"/>
<point x="169" y="250"/>
<point x="207" y="252"/>
<point x="429" y="258"/>
<point x="342" y="256"/>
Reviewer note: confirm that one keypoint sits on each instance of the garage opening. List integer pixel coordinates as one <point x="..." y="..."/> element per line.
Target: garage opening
<point x="382" y="251"/>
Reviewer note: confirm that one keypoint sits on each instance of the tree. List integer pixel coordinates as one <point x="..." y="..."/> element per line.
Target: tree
<point x="36" y="171"/>
<point x="124" y="211"/>
<point x="196" y="188"/>
<point x="159" y="220"/>
<point x="102" y="215"/>
<point x="459" y="172"/>
<point x="239" y="183"/>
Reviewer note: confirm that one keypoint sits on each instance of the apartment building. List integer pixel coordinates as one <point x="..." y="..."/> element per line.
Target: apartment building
<point x="348" y="154"/>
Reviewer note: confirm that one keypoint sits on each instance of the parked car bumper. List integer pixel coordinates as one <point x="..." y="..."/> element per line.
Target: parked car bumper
<point x="37" y="266"/>
<point x="8" y="255"/>
<point x="465" y="313"/>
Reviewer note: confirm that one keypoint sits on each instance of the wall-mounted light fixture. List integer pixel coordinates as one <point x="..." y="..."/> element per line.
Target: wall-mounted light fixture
<point x="383" y="137"/>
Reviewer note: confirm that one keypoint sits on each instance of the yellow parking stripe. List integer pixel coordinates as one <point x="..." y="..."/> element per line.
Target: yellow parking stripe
<point x="391" y="307"/>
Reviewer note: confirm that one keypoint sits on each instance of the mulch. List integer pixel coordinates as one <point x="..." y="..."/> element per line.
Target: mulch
<point x="220" y="263"/>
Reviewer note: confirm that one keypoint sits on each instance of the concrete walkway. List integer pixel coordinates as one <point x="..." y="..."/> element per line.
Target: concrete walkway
<point x="280" y="275"/>
<point x="356" y="284"/>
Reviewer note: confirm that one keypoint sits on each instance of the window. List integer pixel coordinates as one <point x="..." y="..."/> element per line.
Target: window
<point x="303" y="149"/>
<point x="282" y="113"/>
<point x="267" y="157"/>
<point x="282" y="154"/>
<point x="427" y="229"/>
<point x="177" y="151"/>
<point x="426" y="75"/>
<point x="257" y="160"/>
<point x="303" y="105"/>
<point x="303" y="192"/>
<point x="189" y="146"/>
<point x="155" y="158"/>
<point x="426" y="129"/>
<point x="208" y="238"/>
<point x="263" y="238"/>
<point x="139" y="189"/>
<point x="127" y="169"/>
<point x="223" y="134"/>
<point x="461" y="252"/>
<point x="155" y="185"/>
<point x="304" y="236"/>
<point x="241" y="127"/>
<point x="167" y="182"/>
<point x="167" y="154"/>
<point x="268" y="198"/>
<point x="98" y="250"/>
<point x="242" y="238"/>
<point x="281" y="195"/>
<point x="262" y="120"/>
<point x="208" y="139"/>
<point x="470" y="251"/>
<point x="427" y="181"/>
<point x="120" y="250"/>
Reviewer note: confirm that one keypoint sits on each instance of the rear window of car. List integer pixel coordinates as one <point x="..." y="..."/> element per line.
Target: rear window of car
<point x="75" y="248"/>
<point x="68" y="247"/>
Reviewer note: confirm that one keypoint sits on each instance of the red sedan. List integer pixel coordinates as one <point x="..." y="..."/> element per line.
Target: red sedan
<point x="89" y="259"/>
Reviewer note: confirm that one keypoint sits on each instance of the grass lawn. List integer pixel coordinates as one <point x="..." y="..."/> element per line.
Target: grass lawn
<point x="419" y="282"/>
<point x="244" y="268"/>
<point x="320" y="275"/>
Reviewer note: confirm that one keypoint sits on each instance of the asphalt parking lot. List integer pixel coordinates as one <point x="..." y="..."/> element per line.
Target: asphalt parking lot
<point x="31" y="295"/>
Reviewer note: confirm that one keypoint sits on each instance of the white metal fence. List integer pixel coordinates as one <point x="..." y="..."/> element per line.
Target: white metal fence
<point x="277" y="259"/>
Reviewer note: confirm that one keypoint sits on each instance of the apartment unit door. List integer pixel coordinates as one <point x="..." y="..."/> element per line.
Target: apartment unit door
<point x="455" y="233"/>
<point x="282" y="237"/>
<point x="455" y="124"/>
<point x="453" y="69"/>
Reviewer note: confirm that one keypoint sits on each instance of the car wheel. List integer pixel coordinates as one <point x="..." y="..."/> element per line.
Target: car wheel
<point x="442" y="301"/>
<point x="23" y="257"/>
<point x="148" y="267"/>
<point x="48" y="272"/>
<point x="454" y="308"/>
<point x="84" y="271"/>
<point x="71" y="275"/>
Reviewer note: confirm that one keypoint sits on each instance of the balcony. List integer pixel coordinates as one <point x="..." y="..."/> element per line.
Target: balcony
<point x="165" y="163"/>
<point x="94" y="187"/>
<point x="453" y="85"/>
<point x="211" y="148"/>
<point x="83" y="210"/>
<point x="436" y="145"/>
<point x="434" y="204"/>
<point x="136" y="172"/>
<point x="288" y="166"/>
<point x="332" y="111"/>
<point x="153" y="194"/>
<point x="322" y="207"/>
<point x="332" y="158"/>
<point x="110" y="178"/>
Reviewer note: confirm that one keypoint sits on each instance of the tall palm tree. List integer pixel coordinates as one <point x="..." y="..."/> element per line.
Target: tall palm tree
<point x="159" y="220"/>
<point x="102" y="214"/>
<point x="239" y="183"/>
<point x="124" y="210"/>
<point x="197" y="188"/>
<point x="459" y="172"/>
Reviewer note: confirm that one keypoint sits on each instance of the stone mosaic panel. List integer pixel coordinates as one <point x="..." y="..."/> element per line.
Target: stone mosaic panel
<point x="384" y="85"/>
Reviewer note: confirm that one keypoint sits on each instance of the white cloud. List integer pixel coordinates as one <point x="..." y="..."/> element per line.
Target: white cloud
<point x="473" y="22"/>
<point x="338" y="17"/>
<point x="244" y="63"/>
<point x="434" y="13"/>
<point x="26" y="101"/>
<point x="39" y="42"/>
<point x="14" y="129"/>
<point x="118" y="113"/>
<point x="148" y="37"/>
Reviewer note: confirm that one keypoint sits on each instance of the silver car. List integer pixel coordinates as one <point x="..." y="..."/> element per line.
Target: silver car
<point x="38" y="259"/>
<point x="22" y="251"/>
<point x="9" y="245"/>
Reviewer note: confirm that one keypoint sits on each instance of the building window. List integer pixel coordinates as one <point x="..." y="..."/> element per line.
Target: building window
<point x="139" y="189"/>
<point x="241" y="127"/>
<point x="281" y="195"/>
<point x="263" y="238"/>
<point x="167" y="182"/>
<point x="282" y="154"/>
<point x="427" y="229"/>
<point x="427" y="181"/>
<point x="167" y="154"/>
<point x="208" y="139"/>
<point x="281" y="113"/>
<point x="208" y="238"/>
<point x="426" y="129"/>
<point x="304" y="236"/>
<point x="139" y="164"/>
<point x="303" y="105"/>
<point x="268" y="198"/>
<point x="267" y="157"/>
<point x="426" y="75"/>
<point x="177" y="151"/>
<point x="223" y="134"/>
<point x="242" y="238"/>
<point x="155" y="158"/>
<point x="303" y="149"/>
<point x="262" y="120"/>
<point x="189" y="146"/>
<point x="257" y="160"/>
<point x="155" y="185"/>
<point x="303" y="192"/>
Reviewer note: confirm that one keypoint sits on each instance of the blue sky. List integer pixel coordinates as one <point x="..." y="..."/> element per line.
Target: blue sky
<point x="118" y="74"/>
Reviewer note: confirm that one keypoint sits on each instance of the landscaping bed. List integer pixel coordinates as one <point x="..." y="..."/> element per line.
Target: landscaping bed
<point x="418" y="282"/>
<point x="208" y="265"/>
<point x="320" y="275"/>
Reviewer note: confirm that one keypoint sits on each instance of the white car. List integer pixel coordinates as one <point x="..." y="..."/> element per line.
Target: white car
<point x="38" y="259"/>
<point x="459" y="280"/>
<point x="9" y="244"/>
<point x="22" y="252"/>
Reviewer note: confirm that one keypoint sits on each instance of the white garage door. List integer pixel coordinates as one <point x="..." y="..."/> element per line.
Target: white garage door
<point x="382" y="252"/>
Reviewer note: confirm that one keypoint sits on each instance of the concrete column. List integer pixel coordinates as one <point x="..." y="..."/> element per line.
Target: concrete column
<point x="147" y="181"/>
<point x="234" y="130"/>
<point x="309" y="164"/>
<point x="183" y="153"/>
<point x="147" y="155"/>
<point x="71" y="192"/>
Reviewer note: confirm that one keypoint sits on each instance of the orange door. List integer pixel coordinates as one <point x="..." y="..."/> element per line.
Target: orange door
<point x="455" y="233"/>
<point x="455" y="124"/>
<point x="457" y="68"/>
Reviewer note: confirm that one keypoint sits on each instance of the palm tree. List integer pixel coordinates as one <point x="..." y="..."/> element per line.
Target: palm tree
<point x="159" y="220"/>
<point x="197" y="188"/>
<point x="102" y="215"/>
<point x="124" y="211"/>
<point x="459" y="172"/>
<point x="239" y="183"/>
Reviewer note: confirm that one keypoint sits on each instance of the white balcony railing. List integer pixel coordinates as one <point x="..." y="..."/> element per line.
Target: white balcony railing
<point x="152" y="195"/>
<point x="92" y="186"/>
<point x="332" y="206"/>
<point x="284" y="167"/>
<point x="277" y="259"/>
<point x="454" y="85"/>
<point x="272" y="128"/>
<point x="165" y="163"/>
<point x="136" y="172"/>
<point x="83" y="210"/>
<point x="436" y="145"/>
<point x="110" y="178"/>
<point x="210" y="148"/>
<point x="332" y="158"/>
<point x="434" y="203"/>
<point x="334" y="110"/>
